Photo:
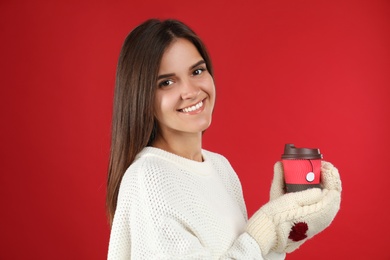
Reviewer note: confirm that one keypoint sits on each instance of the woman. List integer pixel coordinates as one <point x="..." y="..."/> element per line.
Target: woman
<point x="167" y="197"/>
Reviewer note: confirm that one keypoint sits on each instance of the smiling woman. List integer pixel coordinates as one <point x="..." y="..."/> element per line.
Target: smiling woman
<point x="184" y="100"/>
<point x="167" y="197"/>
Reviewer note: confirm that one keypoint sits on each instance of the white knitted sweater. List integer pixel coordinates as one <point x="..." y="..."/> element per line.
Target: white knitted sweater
<point x="170" y="207"/>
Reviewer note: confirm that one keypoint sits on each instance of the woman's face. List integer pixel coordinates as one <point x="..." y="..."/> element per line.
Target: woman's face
<point x="185" y="93"/>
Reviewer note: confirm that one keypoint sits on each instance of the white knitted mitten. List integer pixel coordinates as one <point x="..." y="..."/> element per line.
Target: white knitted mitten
<point x="288" y="220"/>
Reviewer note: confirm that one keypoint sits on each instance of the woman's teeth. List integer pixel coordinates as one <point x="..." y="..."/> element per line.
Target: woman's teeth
<point x="193" y="108"/>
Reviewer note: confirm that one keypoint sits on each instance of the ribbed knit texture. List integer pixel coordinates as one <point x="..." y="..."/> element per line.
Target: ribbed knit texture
<point x="262" y="229"/>
<point x="170" y="207"/>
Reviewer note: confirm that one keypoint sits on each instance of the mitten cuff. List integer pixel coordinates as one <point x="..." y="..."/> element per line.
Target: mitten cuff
<point x="262" y="229"/>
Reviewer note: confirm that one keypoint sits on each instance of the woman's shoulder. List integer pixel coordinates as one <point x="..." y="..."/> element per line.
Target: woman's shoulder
<point x="148" y="175"/>
<point x="144" y="165"/>
<point x="153" y="165"/>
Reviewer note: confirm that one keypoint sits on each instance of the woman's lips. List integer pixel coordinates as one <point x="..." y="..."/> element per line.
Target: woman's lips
<point x="194" y="108"/>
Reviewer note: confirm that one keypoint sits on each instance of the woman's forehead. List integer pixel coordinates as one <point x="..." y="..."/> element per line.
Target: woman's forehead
<point x="181" y="54"/>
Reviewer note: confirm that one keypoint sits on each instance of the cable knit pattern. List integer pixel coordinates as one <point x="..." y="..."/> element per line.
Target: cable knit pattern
<point x="170" y="207"/>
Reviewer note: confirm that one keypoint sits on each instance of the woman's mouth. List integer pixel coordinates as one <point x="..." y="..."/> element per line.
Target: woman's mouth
<point x="192" y="108"/>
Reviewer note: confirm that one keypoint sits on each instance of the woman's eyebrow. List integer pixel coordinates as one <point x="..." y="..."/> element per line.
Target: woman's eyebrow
<point x="197" y="64"/>
<point x="163" y="76"/>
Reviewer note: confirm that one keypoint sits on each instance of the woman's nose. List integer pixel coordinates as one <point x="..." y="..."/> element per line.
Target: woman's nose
<point x="189" y="90"/>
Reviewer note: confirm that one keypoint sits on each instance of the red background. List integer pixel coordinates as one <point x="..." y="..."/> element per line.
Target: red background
<point x="312" y="73"/>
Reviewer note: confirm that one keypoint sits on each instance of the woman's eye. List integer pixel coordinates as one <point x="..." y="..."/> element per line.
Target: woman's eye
<point x="198" y="71"/>
<point x="165" y="83"/>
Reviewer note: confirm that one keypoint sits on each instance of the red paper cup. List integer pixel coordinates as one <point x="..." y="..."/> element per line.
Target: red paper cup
<point x="302" y="168"/>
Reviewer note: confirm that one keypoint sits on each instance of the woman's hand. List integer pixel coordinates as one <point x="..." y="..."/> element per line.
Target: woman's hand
<point x="288" y="220"/>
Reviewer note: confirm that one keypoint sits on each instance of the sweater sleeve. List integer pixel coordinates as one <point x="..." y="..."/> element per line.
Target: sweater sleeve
<point x="148" y="225"/>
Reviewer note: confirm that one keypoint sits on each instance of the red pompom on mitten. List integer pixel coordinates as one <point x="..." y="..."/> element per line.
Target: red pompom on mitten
<point x="298" y="231"/>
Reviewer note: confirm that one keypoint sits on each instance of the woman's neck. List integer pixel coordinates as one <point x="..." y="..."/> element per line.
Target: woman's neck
<point x="184" y="146"/>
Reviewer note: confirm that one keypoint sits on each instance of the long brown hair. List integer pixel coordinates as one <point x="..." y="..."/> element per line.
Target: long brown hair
<point x="133" y="124"/>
